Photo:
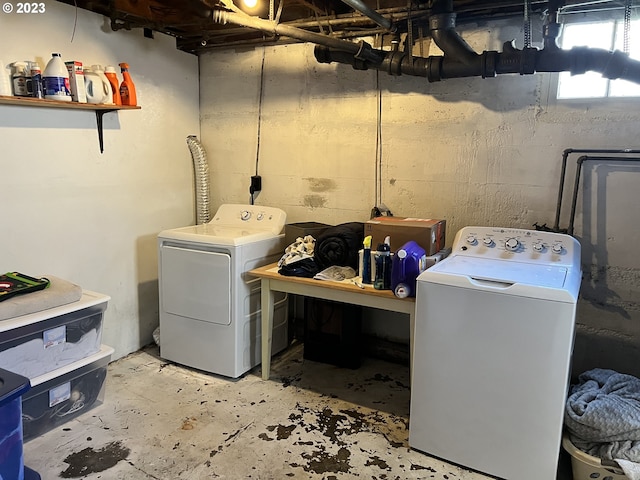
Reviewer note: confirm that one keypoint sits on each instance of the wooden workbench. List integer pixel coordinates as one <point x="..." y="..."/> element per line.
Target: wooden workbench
<point x="346" y="291"/>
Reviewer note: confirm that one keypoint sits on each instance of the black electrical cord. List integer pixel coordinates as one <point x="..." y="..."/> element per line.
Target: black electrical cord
<point x="378" y="178"/>
<point x="251" y="190"/>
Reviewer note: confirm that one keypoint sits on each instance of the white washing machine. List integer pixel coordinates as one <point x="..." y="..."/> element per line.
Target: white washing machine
<point x="209" y="305"/>
<point x="494" y="333"/>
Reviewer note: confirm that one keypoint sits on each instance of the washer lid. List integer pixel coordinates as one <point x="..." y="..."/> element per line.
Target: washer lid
<point x="501" y="271"/>
<point x="216" y="234"/>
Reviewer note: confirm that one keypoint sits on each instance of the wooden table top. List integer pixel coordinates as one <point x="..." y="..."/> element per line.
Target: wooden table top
<point x="271" y="272"/>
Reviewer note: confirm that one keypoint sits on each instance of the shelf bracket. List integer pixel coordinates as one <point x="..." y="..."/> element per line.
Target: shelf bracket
<point x="99" y="114"/>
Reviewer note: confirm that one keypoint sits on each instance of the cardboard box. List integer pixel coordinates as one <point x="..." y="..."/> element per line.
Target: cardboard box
<point x="428" y="233"/>
<point x="76" y="81"/>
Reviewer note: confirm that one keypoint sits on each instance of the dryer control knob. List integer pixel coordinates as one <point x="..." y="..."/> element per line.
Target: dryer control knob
<point x="512" y="244"/>
<point x="538" y="247"/>
<point x="471" y="240"/>
<point x="557" y="248"/>
<point x="488" y="241"/>
<point x="245" y="215"/>
<point x="260" y="216"/>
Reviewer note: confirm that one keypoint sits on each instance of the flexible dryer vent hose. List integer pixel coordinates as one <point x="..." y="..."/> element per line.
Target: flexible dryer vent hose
<point x="201" y="169"/>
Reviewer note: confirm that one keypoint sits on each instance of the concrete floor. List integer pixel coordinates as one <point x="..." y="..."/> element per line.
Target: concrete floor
<point x="312" y="420"/>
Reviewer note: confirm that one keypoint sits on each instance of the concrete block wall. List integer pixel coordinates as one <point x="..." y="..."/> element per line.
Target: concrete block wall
<point x="471" y="151"/>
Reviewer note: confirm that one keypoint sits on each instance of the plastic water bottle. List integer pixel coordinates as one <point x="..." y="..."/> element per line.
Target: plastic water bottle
<point x="56" y="80"/>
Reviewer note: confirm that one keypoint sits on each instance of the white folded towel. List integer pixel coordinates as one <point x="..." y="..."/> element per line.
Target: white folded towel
<point x="630" y="469"/>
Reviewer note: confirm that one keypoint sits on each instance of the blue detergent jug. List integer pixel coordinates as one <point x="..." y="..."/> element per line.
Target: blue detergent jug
<point x="409" y="261"/>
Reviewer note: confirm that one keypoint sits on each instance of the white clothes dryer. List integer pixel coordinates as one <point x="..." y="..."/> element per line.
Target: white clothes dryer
<point x="494" y="332"/>
<point x="209" y="305"/>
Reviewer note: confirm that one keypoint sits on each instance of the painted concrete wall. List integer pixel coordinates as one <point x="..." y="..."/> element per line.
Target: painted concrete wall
<point x="471" y="151"/>
<point x="87" y="217"/>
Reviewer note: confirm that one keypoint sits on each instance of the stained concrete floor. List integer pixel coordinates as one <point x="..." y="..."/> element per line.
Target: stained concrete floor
<point x="311" y="420"/>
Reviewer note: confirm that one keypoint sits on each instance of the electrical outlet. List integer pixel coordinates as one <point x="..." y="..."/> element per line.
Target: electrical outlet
<point x="256" y="184"/>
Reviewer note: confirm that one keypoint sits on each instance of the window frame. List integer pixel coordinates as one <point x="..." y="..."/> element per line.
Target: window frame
<point x="593" y="17"/>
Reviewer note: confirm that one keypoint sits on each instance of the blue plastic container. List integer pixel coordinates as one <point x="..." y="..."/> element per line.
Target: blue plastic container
<point x="408" y="262"/>
<point x="12" y="386"/>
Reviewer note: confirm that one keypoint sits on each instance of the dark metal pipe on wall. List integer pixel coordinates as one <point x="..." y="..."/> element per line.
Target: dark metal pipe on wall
<point x="612" y="155"/>
<point x="581" y="161"/>
<point x="563" y="172"/>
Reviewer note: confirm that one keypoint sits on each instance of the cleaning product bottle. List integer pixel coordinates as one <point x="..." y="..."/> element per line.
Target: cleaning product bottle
<point x="97" y="90"/>
<point x="383" y="266"/>
<point x="5" y="80"/>
<point x="55" y="79"/>
<point x="112" y="76"/>
<point x="409" y="261"/>
<point x="366" y="260"/>
<point x="37" y="89"/>
<point x="19" y="79"/>
<point x="127" y="87"/>
<point x="106" y="84"/>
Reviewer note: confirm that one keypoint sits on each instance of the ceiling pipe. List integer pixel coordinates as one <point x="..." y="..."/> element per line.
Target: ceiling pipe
<point x="460" y="60"/>
<point x="359" y="52"/>
<point x="372" y="14"/>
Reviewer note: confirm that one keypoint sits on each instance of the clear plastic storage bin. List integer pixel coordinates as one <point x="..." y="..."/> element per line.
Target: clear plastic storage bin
<point x="65" y="393"/>
<point x="35" y="344"/>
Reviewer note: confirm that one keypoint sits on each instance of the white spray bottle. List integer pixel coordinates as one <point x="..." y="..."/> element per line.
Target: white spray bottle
<point x="5" y="80"/>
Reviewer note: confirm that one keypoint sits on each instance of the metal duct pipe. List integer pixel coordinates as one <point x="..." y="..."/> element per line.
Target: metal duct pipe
<point x="201" y="169"/>
<point x="372" y="14"/>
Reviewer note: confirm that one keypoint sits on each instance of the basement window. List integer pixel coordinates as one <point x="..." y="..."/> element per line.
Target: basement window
<point x="608" y="35"/>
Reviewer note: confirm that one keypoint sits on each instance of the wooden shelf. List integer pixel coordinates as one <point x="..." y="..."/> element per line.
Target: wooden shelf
<point x="100" y="108"/>
<point x="43" y="103"/>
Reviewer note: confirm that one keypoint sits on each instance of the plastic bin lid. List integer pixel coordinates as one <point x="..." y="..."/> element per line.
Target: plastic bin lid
<point x="12" y="386"/>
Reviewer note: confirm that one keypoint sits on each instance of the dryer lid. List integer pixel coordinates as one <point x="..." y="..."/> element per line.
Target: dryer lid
<point x="233" y="224"/>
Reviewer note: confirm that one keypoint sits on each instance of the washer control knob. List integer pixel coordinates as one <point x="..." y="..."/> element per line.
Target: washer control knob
<point x="557" y="248"/>
<point x="245" y="215"/>
<point x="260" y="216"/>
<point x="538" y="246"/>
<point x="512" y="244"/>
<point x="488" y="241"/>
<point x="471" y="240"/>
